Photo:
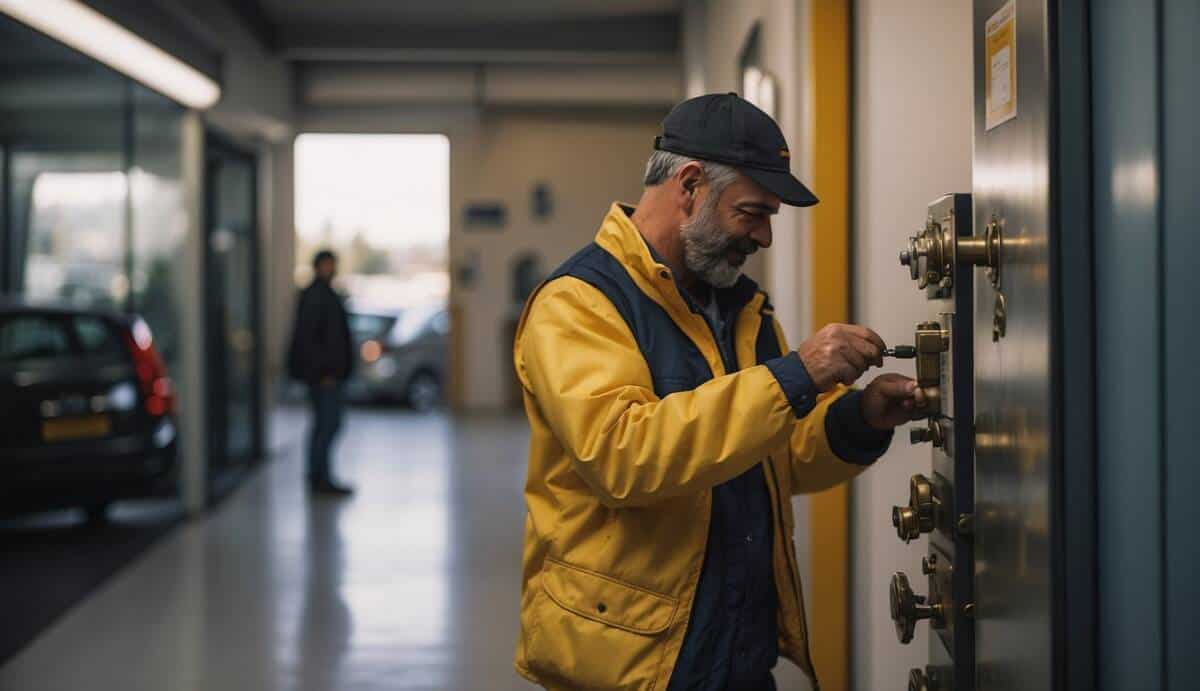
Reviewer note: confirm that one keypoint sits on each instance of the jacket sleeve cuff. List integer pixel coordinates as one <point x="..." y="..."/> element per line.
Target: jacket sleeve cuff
<point x="793" y="378"/>
<point x="849" y="435"/>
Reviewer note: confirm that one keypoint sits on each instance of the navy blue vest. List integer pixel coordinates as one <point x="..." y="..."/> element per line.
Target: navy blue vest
<point x="731" y="640"/>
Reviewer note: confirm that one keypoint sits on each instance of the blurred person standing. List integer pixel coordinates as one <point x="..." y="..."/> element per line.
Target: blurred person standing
<point x="322" y="356"/>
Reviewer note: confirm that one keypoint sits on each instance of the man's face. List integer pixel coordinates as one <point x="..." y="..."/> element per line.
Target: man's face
<point x="327" y="269"/>
<point x="727" y="229"/>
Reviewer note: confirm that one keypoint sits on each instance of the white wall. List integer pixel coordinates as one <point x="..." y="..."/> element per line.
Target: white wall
<point x="913" y="141"/>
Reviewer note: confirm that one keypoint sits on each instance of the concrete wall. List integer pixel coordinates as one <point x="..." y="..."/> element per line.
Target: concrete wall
<point x="589" y="160"/>
<point x="909" y="58"/>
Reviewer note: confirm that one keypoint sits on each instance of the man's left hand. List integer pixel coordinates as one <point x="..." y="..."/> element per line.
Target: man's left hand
<point x="891" y="400"/>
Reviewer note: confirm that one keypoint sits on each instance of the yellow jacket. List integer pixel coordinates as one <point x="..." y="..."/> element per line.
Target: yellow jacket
<point x="619" y="482"/>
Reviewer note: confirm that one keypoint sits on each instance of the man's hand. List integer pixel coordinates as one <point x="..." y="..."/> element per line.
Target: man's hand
<point x="840" y="353"/>
<point x="891" y="400"/>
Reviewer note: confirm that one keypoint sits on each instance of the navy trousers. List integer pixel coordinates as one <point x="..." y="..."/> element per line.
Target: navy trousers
<point x="327" y="407"/>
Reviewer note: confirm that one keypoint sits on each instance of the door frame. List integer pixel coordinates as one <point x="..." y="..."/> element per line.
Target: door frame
<point x="1073" y="488"/>
<point x="218" y="147"/>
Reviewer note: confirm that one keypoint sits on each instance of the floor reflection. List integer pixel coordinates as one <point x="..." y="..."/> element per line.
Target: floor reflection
<point x="326" y="622"/>
<point x="411" y="584"/>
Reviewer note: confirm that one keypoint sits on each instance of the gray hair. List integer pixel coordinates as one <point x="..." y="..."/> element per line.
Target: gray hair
<point x="663" y="164"/>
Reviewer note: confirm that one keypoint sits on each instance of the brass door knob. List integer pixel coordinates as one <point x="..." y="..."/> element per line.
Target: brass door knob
<point x="916" y="518"/>
<point x="932" y="678"/>
<point x="932" y="432"/>
<point x="908" y="608"/>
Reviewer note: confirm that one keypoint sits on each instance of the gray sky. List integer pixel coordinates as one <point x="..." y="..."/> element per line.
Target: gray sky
<point x="395" y="187"/>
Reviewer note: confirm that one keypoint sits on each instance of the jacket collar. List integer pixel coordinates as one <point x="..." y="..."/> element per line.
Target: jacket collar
<point x="621" y="238"/>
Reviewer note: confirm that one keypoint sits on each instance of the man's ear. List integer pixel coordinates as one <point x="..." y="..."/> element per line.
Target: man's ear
<point x="690" y="176"/>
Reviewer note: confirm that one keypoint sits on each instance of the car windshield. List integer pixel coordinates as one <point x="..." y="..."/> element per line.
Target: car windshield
<point x="365" y="326"/>
<point x="32" y="337"/>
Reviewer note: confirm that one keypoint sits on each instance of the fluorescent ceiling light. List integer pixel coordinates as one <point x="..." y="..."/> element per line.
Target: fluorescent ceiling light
<point x="94" y="34"/>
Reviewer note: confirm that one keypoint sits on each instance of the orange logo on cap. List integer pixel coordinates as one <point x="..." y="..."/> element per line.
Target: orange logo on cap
<point x="784" y="153"/>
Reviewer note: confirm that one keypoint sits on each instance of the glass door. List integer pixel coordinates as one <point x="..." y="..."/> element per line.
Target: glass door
<point x="232" y="313"/>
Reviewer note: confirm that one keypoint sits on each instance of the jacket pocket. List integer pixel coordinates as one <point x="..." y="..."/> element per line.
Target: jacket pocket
<point x="596" y="632"/>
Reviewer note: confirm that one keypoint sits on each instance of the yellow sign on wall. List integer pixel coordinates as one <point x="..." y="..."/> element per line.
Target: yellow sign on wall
<point x="1000" y="66"/>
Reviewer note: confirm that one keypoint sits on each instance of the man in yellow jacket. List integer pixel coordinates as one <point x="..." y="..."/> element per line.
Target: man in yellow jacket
<point x="669" y="428"/>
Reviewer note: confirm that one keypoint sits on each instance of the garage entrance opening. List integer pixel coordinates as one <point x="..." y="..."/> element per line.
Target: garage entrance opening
<point x="382" y="204"/>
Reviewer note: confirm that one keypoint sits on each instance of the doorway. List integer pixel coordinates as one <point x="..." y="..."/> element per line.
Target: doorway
<point x="381" y="203"/>
<point x="231" y="313"/>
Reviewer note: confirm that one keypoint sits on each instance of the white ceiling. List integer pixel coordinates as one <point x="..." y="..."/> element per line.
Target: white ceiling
<point x="445" y="11"/>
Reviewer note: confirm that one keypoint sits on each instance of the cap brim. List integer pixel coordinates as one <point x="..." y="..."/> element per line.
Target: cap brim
<point x="783" y="185"/>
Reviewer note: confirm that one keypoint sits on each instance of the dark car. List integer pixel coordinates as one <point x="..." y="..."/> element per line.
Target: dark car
<point x="87" y="410"/>
<point x="402" y="355"/>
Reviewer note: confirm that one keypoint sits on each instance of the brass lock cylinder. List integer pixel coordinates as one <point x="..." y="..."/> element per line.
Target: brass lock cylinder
<point x="930" y="255"/>
<point x="918" y="517"/>
<point x="932" y="433"/>
<point x="930" y="341"/>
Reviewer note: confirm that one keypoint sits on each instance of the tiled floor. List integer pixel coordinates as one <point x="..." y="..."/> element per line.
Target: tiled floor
<point x="412" y="584"/>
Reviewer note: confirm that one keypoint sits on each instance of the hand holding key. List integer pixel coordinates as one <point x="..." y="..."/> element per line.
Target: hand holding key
<point x="840" y="353"/>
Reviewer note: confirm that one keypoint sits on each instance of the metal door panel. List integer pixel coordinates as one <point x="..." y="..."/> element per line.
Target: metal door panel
<point x="1012" y="375"/>
<point x="1181" y="208"/>
<point x="1125" y="135"/>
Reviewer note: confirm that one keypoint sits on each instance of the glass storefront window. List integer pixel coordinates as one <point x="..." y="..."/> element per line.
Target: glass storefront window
<point x="95" y="201"/>
<point x="62" y="127"/>
<point x="159" y="221"/>
<point x="93" y="213"/>
<point x="74" y="228"/>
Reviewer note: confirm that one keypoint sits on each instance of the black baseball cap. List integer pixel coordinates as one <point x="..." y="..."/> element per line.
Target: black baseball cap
<point x="726" y="128"/>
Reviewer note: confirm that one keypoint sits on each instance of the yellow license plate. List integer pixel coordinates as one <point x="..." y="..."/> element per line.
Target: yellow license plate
<point x="88" y="427"/>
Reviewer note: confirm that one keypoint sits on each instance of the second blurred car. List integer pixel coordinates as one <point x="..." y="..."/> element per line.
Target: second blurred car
<point x="402" y="355"/>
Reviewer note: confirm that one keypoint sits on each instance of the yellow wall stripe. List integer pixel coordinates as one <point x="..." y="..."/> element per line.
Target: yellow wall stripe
<point x="829" y="76"/>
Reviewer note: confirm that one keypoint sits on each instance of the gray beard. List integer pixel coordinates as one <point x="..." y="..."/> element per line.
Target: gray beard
<point x="705" y="249"/>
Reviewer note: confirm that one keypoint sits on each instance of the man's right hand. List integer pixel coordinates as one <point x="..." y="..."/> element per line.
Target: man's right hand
<point x="840" y="353"/>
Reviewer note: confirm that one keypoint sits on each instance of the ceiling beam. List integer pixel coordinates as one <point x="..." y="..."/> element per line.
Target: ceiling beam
<point x="605" y="40"/>
<point x="256" y="20"/>
<point x="341" y="84"/>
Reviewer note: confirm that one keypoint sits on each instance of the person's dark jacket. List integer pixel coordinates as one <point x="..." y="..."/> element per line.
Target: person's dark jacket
<point x="321" y="344"/>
